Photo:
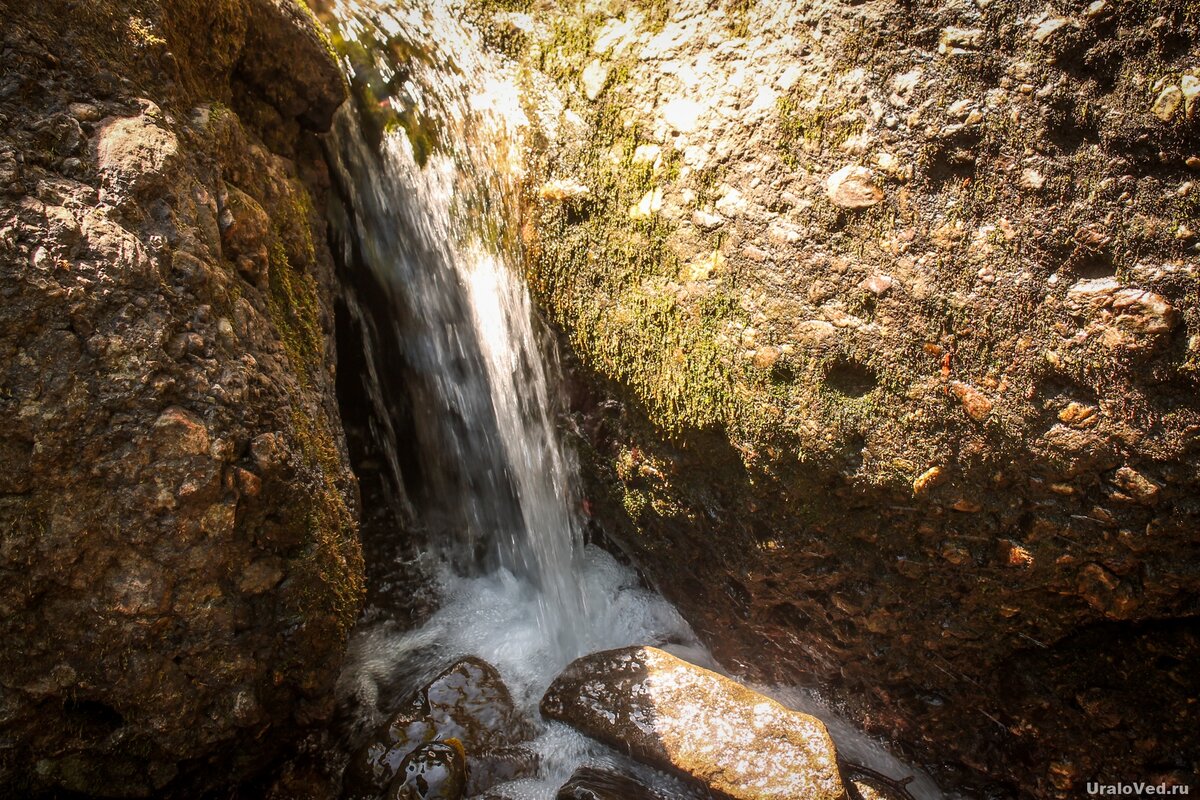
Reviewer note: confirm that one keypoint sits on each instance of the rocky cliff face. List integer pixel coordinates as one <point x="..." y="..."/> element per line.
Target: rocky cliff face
<point x="900" y="303"/>
<point x="179" y="557"/>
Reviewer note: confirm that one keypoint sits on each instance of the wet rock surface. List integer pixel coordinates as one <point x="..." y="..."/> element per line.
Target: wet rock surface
<point x="179" y="559"/>
<point x="434" y="771"/>
<point x="679" y="717"/>
<point x="590" y="783"/>
<point x="467" y="703"/>
<point x="885" y="317"/>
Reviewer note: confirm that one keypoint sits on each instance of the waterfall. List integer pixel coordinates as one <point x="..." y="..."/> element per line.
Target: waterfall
<point x="432" y="225"/>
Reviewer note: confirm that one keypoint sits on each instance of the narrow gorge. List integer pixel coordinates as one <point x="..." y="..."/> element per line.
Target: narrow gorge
<point x="508" y="400"/>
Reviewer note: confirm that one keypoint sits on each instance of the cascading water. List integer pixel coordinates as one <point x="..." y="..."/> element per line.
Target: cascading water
<point x="428" y="165"/>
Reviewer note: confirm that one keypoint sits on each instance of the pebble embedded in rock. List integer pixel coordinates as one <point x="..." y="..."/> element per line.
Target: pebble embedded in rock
<point x="927" y="480"/>
<point x="562" y="189"/>
<point x="853" y="187"/>
<point x="1032" y="179"/>
<point x="974" y="402"/>
<point x="878" y="285"/>
<point x="707" y="728"/>
<point x="594" y="76"/>
<point x="1189" y="85"/>
<point x="1167" y="103"/>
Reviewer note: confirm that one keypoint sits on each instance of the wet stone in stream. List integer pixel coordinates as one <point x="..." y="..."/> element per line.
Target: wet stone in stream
<point x="697" y="724"/>
<point x="468" y="703"/>
<point x="434" y="771"/>
<point x="589" y="783"/>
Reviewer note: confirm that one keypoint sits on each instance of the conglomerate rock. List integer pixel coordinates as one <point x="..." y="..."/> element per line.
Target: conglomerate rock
<point x="179" y="562"/>
<point x="898" y="303"/>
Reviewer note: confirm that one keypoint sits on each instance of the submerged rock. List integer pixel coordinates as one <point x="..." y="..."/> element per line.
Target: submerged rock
<point x="467" y="702"/>
<point x="679" y="717"/>
<point x="589" y="783"/>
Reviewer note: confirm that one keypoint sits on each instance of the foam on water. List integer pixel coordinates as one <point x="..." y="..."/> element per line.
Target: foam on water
<point x="497" y="617"/>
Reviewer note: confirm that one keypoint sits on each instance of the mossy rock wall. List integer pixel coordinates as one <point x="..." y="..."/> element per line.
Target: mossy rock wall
<point x="899" y="303"/>
<point x="179" y="551"/>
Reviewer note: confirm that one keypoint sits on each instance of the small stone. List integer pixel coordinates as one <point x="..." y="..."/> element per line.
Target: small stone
<point x="707" y="221"/>
<point x="594" y="78"/>
<point x="1190" y="87"/>
<point x="650" y="204"/>
<point x="878" y="285"/>
<point x="1015" y="555"/>
<point x="1137" y="485"/>
<point x="1096" y="9"/>
<point x="1048" y="28"/>
<point x="974" y="402"/>
<point x="731" y="203"/>
<point x="966" y="506"/>
<point x="84" y="112"/>
<point x="765" y="357"/>
<point x="1092" y="237"/>
<point x="1078" y="415"/>
<point x="853" y="187"/>
<point x="1032" y="179"/>
<point x="563" y="189"/>
<point x="249" y="484"/>
<point x="268" y="451"/>
<point x="1167" y="104"/>
<point x="646" y="154"/>
<point x="1105" y="592"/>
<point x="180" y="433"/>
<point x="467" y="701"/>
<point x="1141" y="311"/>
<point x="956" y="554"/>
<point x="958" y="41"/>
<point x="927" y="480"/>
<point x="683" y="115"/>
<point x="261" y="576"/>
<point x="135" y="153"/>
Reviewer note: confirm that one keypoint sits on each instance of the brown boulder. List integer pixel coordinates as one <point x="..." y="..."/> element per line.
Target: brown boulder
<point x="700" y="725"/>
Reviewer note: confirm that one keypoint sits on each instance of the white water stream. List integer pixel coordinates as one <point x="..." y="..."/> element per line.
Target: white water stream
<point x="516" y="586"/>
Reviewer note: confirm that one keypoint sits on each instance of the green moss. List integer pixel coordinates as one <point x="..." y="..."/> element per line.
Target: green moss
<point x="330" y="568"/>
<point x="809" y="129"/>
<point x="738" y="12"/>
<point x="294" y="306"/>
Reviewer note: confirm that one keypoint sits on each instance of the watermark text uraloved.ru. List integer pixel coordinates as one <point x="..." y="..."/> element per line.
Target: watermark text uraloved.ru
<point x="1136" y="789"/>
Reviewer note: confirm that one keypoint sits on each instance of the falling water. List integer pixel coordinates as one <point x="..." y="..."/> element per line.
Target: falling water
<point x="428" y="163"/>
<point x="430" y="224"/>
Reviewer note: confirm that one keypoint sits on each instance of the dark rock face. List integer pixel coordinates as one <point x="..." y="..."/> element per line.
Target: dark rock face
<point x="687" y="720"/>
<point x="179" y="559"/>
<point x="466" y="703"/>
<point x="886" y="316"/>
